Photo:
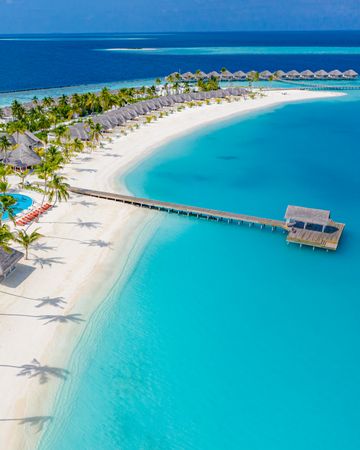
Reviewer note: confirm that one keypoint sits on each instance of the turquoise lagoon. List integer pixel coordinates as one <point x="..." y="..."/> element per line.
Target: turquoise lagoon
<point x="224" y="337"/>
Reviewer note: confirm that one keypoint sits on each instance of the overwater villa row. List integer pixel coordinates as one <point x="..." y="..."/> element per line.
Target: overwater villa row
<point x="225" y="75"/>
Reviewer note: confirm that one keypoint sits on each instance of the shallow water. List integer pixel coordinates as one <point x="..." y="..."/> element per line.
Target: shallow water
<point x="225" y="337"/>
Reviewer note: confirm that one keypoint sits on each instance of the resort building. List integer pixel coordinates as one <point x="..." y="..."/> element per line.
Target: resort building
<point x="22" y="158"/>
<point x="8" y="261"/>
<point x="312" y="227"/>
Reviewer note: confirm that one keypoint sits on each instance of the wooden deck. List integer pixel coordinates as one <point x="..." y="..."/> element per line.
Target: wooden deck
<point x="328" y="241"/>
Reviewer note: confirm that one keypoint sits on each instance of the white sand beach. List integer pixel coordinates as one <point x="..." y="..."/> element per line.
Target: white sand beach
<point x="46" y="304"/>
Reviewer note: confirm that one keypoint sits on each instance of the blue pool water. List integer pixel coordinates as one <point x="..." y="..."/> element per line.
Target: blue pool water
<point x="22" y="202"/>
<point x="225" y="337"/>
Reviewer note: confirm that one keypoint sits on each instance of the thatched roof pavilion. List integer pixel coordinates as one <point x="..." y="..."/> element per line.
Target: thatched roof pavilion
<point x="187" y="76"/>
<point x="27" y="138"/>
<point x="307" y="74"/>
<point x="213" y="74"/>
<point x="336" y="74"/>
<point x="22" y="157"/>
<point x="265" y="75"/>
<point x="321" y="74"/>
<point x="200" y="75"/>
<point x="279" y="74"/>
<point x="350" y="74"/>
<point x="239" y="75"/>
<point x="226" y="75"/>
<point x="8" y="261"/>
<point x="293" y="74"/>
<point x="78" y="131"/>
<point x="307" y="215"/>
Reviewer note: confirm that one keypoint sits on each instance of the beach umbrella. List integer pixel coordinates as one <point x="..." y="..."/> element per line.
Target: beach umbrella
<point x="350" y="74"/>
<point x="306" y="74"/>
<point x="321" y="74"/>
<point x="336" y="74"/>
<point x="293" y="74"/>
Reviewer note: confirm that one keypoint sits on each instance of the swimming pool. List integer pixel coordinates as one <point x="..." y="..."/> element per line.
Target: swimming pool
<point x="22" y="202"/>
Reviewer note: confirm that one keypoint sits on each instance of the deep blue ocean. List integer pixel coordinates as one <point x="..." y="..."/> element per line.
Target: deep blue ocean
<point x="224" y="337"/>
<point x="47" y="61"/>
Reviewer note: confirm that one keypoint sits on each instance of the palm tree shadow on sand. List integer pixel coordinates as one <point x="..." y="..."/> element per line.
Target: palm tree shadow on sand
<point x="36" y="370"/>
<point x="38" y="422"/>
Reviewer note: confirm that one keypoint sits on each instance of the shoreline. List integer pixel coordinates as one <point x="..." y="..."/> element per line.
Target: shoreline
<point x="84" y="240"/>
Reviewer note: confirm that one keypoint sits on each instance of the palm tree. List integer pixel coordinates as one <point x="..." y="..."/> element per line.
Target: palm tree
<point x="5" y="145"/>
<point x="5" y="171"/>
<point x="22" y="175"/>
<point x="17" y="127"/>
<point x="96" y="131"/>
<point x="17" y="110"/>
<point x="252" y="77"/>
<point x="44" y="171"/>
<point x="25" y="239"/>
<point x="5" y="238"/>
<point x="7" y="203"/>
<point x="58" y="189"/>
<point x="77" y="145"/>
<point x="54" y="157"/>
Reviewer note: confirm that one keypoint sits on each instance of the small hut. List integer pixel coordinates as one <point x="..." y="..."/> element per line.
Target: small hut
<point x="27" y="138"/>
<point x="302" y="217"/>
<point x="336" y="74"/>
<point x="8" y="261"/>
<point x="307" y="74"/>
<point x="213" y="74"/>
<point x="279" y="74"/>
<point x="226" y="75"/>
<point x="239" y="75"/>
<point x="187" y="76"/>
<point x="265" y="75"/>
<point x="351" y="74"/>
<point x="321" y="74"/>
<point x="293" y="75"/>
<point x="22" y="158"/>
<point x="200" y="75"/>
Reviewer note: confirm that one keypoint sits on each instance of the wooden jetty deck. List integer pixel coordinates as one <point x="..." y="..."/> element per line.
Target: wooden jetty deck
<point x="328" y="241"/>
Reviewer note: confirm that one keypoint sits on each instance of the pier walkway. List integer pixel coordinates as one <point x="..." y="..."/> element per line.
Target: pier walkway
<point x="327" y="238"/>
<point x="204" y="213"/>
<point x="320" y="87"/>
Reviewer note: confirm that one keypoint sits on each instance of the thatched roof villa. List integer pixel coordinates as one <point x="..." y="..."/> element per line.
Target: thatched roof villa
<point x="23" y="157"/>
<point x="321" y="74"/>
<point x="8" y="261"/>
<point x="307" y="74"/>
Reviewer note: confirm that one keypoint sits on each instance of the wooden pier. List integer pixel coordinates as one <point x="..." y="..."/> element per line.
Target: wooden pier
<point x="328" y="241"/>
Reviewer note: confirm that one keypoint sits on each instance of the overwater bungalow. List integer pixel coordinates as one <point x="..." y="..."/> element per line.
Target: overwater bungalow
<point x="350" y="74"/>
<point x="213" y="74"/>
<point x="307" y="74"/>
<point x="239" y="75"/>
<point x="279" y="74"/>
<point x="187" y="76"/>
<point x="226" y="75"/>
<point x="321" y="74"/>
<point x="336" y="75"/>
<point x="265" y="75"/>
<point x="293" y="75"/>
<point x="8" y="262"/>
<point x="200" y="75"/>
